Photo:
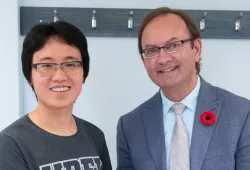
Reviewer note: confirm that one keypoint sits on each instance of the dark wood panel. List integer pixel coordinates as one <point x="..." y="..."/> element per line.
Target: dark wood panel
<point x="113" y="22"/>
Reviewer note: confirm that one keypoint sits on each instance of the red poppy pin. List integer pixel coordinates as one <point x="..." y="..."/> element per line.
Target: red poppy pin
<point x="208" y="118"/>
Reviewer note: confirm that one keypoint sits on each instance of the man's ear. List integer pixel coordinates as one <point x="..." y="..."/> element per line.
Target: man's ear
<point x="197" y="49"/>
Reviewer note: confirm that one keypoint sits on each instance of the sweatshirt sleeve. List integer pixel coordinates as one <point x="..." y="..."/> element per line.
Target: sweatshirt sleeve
<point x="105" y="156"/>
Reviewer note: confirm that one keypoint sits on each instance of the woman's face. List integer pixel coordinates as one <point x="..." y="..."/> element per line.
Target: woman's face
<point x="56" y="87"/>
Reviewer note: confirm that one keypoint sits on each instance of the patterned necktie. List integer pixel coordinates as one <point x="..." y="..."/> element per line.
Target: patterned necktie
<point x="179" y="149"/>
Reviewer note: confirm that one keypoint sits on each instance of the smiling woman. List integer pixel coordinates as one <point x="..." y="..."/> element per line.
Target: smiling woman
<point x="55" y="63"/>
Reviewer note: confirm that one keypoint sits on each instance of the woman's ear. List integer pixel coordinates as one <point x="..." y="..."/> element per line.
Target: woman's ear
<point x="30" y="82"/>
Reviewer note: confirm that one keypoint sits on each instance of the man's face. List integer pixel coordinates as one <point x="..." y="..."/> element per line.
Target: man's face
<point x="174" y="68"/>
<point x="60" y="89"/>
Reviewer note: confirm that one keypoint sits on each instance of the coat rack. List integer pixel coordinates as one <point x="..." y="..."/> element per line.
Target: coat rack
<point x="120" y="22"/>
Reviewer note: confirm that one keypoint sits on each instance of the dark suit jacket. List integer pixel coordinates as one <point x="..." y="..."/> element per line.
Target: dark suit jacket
<point x="223" y="146"/>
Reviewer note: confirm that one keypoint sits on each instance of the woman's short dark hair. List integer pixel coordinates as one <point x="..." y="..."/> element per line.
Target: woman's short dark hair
<point x="39" y="35"/>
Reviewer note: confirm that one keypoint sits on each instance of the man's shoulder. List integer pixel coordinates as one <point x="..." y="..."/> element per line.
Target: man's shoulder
<point x="230" y="97"/>
<point x="231" y="100"/>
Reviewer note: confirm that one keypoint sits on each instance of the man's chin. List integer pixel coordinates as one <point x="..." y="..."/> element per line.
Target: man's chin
<point x="168" y="84"/>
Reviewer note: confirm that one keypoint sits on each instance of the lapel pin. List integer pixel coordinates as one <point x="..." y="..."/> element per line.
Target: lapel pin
<point x="208" y="118"/>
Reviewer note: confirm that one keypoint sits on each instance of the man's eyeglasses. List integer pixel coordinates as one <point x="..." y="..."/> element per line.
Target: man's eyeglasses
<point x="168" y="48"/>
<point x="48" y="69"/>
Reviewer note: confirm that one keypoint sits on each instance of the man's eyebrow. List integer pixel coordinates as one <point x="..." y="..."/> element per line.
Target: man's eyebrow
<point x="168" y="41"/>
<point x="150" y="45"/>
<point x="172" y="39"/>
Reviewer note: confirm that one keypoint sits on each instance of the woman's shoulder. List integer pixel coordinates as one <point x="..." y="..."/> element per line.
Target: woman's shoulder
<point x="89" y="128"/>
<point x="16" y="127"/>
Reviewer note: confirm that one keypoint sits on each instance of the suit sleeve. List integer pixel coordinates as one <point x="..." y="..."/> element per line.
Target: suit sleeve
<point x="123" y="154"/>
<point x="10" y="155"/>
<point x="243" y="152"/>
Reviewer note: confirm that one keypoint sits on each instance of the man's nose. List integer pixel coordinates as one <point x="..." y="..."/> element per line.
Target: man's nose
<point x="164" y="57"/>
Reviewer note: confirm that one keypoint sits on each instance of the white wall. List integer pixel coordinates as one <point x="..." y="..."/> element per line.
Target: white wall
<point x="118" y="82"/>
<point x="9" y="85"/>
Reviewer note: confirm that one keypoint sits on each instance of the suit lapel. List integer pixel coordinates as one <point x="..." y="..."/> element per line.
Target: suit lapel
<point x="207" y="101"/>
<point x="154" y="128"/>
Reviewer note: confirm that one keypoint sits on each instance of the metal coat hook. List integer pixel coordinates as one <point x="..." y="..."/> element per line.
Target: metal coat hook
<point x="130" y="20"/>
<point x="94" y="21"/>
<point x="203" y="22"/>
<point x="55" y="16"/>
<point x="238" y="23"/>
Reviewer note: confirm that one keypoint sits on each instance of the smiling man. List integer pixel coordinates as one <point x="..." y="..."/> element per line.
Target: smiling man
<point x="55" y="62"/>
<point x="166" y="132"/>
